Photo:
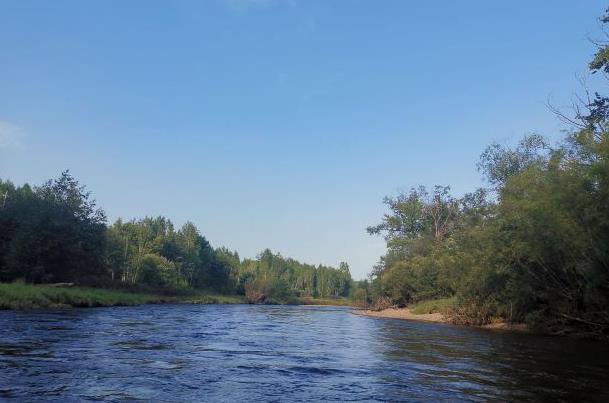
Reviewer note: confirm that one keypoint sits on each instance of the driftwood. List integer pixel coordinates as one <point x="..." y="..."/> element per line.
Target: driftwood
<point x="254" y="296"/>
<point x="61" y="285"/>
<point x="382" y="303"/>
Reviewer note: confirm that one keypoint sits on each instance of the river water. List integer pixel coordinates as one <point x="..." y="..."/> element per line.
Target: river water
<point x="272" y="353"/>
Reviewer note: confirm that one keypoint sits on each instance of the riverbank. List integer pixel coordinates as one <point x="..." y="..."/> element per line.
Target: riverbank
<point x="408" y="314"/>
<point x="27" y="296"/>
<point x="20" y="296"/>
<point x="340" y="301"/>
<point x="402" y="313"/>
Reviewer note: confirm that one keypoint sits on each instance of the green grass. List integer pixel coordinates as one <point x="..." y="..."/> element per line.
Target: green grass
<point x="27" y="296"/>
<point x="198" y="298"/>
<point x="440" y="305"/>
<point x="22" y="296"/>
<point x="342" y="301"/>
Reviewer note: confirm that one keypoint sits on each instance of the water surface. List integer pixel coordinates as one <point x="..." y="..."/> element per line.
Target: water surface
<point x="244" y="352"/>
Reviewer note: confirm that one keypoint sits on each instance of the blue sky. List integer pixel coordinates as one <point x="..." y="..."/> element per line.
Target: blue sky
<point x="278" y="124"/>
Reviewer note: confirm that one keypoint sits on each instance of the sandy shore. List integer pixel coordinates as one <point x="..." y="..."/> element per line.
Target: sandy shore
<point x="517" y="327"/>
<point x="402" y="313"/>
<point x="406" y="314"/>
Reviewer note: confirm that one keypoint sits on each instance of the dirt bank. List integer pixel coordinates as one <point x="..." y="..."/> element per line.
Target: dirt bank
<point x="406" y="314"/>
<point x="402" y="313"/>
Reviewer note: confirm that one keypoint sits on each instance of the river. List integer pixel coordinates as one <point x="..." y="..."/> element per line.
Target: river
<point x="282" y="353"/>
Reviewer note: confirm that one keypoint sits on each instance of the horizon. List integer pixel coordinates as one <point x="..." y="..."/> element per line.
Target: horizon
<point x="273" y="124"/>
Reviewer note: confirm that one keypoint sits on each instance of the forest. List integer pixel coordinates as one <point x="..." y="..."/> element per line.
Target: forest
<point x="531" y="247"/>
<point x="55" y="233"/>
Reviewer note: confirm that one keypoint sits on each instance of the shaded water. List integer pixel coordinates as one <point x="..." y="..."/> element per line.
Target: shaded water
<point x="242" y="352"/>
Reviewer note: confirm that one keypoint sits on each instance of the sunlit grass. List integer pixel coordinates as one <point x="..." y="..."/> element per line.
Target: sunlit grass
<point x="440" y="305"/>
<point x="19" y="295"/>
<point x="341" y="301"/>
<point x="198" y="298"/>
<point x="27" y="296"/>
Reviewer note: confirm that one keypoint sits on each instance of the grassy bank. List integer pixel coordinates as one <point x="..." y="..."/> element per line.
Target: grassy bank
<point x="440" y="305"/>
<point x="19" y="295"/>
<point x="28" y="296"/>
<point x="340" y="301"/>
<point x="202" y="298"/>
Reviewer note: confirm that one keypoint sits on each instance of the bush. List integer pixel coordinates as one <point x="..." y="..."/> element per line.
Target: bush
<point x="440" y="305"/>
<point x="159" y="273"/>
<point x="269" y="291"/>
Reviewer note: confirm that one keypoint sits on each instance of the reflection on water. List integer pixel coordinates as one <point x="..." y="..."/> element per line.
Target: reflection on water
<point x="241" y="352"/>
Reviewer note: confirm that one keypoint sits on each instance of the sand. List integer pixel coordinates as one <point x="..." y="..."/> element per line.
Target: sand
<point x="402" y="313"/>
<point x="406" y="314"/>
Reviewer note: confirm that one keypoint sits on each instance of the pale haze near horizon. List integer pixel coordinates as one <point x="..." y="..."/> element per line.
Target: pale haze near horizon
<point x="278" y="124"/>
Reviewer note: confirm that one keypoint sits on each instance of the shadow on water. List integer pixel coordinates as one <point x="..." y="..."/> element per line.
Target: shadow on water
<point x="494" y="364"/>
<point x="241" y="352"/>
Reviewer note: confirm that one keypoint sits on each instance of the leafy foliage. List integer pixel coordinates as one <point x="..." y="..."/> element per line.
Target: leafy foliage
<point x="533" y="248"/>
<point x="55" y="233"/>
<point x="52" y="233"/>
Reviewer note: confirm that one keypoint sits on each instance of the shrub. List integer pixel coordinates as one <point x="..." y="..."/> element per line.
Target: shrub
<point x="160" y="273"/>
<point x="269" y="291"/>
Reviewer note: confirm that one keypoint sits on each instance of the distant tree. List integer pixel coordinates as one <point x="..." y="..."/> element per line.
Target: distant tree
<point x="54" y="233"/>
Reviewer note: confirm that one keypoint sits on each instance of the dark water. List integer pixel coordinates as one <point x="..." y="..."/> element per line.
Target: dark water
<point x="240" y="352"/>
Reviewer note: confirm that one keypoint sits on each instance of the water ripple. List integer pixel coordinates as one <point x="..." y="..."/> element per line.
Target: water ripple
<point x="266" y="353"/>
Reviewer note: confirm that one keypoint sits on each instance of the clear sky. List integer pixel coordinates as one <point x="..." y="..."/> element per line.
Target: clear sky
<point x="278" y="124"/>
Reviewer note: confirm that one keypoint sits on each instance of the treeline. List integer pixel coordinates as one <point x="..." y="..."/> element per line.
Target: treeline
<point x="55" y="233"/>
<point x="259" y="279"/>
<point x="533" y="247"/>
